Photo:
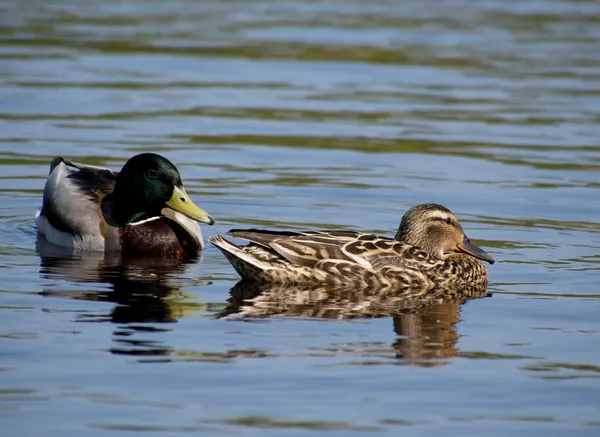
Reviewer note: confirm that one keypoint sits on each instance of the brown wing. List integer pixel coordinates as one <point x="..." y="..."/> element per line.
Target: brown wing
<point x="260" y="237"/>
<point x="95" y="182"/>
<point x="265" y="238"/>
<point x="309" y="247"/>
<point x="337" y="235"/>
<point x="312" y="247"/>
<point x="307" y="250"/>
<point x="383" y="252"/>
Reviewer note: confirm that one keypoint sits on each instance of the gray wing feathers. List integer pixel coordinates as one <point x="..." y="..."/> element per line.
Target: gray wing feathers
<point x="64" y="206"/>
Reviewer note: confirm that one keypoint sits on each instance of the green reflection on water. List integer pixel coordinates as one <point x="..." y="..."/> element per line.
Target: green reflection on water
<point x="480" y="355"/>
<point x="317" y="425"/>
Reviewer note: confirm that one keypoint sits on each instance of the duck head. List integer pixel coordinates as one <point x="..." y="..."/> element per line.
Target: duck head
<point x="435" y="229"/>
<point x="146" y="184"/>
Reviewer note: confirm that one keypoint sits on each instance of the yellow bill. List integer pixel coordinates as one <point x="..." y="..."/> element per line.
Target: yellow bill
<point x="181" y="202"/>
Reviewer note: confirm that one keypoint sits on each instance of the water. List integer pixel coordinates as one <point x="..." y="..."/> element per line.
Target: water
<point x="303" y="115"/>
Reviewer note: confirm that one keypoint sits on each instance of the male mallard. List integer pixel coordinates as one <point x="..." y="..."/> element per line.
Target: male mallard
<point x="430" y="250"/>
<point x="143" y="210"/>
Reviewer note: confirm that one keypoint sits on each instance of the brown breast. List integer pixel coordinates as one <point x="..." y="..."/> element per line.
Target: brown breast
<point x="160" y="237"/>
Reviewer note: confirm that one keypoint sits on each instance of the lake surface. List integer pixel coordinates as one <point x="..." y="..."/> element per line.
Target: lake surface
<point x="307" y="115"/>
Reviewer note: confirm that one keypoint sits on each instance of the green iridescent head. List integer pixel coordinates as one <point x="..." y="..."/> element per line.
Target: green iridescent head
<point x="146" y="184"/>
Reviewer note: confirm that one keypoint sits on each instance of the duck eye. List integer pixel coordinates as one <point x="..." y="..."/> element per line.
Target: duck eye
<point x="448" y="220"/>
<point x="151" y="174"/>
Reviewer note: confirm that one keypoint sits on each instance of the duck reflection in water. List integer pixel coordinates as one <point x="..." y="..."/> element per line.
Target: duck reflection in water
<point x="144" y="290"/>
<point x="425" y="322"/>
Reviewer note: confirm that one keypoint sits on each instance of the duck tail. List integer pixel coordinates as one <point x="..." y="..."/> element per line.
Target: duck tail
<point x="56" y="161"/>
<point x="247" y="264"/>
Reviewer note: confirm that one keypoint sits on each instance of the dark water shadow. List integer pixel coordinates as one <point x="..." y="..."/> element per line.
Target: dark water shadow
<point x="425" y="322"/>
<point x="141" y="288"/>
<point x="146" y="293"/>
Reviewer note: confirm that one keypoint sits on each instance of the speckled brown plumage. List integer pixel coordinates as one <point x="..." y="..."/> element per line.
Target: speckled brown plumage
<point x="418" y="258"/>
<point x="260" y="299"/>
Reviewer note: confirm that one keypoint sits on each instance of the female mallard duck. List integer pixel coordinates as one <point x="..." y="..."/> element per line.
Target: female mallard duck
<point x="143" y="210"/>
<point x="430" y="250"/>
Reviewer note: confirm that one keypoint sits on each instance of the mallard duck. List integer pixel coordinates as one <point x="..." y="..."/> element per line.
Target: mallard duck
<point x="143" y="210"/>
<point x="429" y="250"/>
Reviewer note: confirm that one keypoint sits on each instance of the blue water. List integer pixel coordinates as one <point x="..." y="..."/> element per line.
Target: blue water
<point x="306" y="115"/>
